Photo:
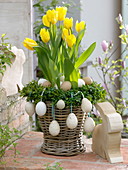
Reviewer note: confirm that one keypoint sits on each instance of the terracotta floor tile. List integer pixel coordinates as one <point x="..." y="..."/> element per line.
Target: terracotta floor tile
<point x="76" y="165"/>
<point x="33" y="135"/>
<point x="26" y="147"/>
<point x="27" y="164"/>
<point x="31" y="157"/>
<point x="124" y="153"/>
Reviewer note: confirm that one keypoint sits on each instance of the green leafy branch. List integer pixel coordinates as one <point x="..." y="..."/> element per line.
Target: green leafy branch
<point x="6" y="56"/>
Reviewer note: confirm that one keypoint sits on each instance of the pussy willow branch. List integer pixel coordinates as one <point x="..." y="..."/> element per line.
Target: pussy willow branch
<point x="108" y="91"/>
<point x="99" y="74"/>
<point x="113" y="54"/>
<point x="105" y="82"/>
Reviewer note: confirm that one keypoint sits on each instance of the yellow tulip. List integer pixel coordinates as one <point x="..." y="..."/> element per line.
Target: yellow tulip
<point x="44" y="34"/>
<point x="79" y="26"/>
<point x="71" y="40"/>
<point x="52" y="16"/>
<point x="45" y="21"/>
<point x="61" y="12"/>
<point x="29" y="43"/>
<point x="65" y="33"/>
<point x="68" y="23"/>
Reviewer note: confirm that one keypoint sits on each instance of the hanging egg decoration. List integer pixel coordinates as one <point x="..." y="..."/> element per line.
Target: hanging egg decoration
<point x="54" y="128"/>
<point x="41" y="108"/>
<point x="66" y="85"/>
<point x="89" y="124"/>
<point x="60" y="104"/>
<point x="41" y="81"/>
<point x="81" y="82"/>
<point x="29" y="108"/>
<point x="88" y="80"/>
<point x="86" y="105"/>
<point x="72" y="121"/>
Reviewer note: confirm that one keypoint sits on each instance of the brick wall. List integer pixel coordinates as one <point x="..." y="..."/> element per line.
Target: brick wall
<point x="13" y="113"/>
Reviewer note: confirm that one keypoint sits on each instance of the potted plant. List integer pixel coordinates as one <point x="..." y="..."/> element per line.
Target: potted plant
<point x="62" y="98"/>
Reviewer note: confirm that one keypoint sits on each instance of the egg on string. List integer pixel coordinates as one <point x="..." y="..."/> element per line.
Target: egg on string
<point x="72" y="121"/>
<point x="41" y="108"/>
<point x="89" y="124"/>
<point x="41" y="81"/>
<point x="60" y="104"/>
<point x="30" y="108"/>
<point x="86" y="105"/>
<point x="81" y="82"/>
<point x="54" y="128"/>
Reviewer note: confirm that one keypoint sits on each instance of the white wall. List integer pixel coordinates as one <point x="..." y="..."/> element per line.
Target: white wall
<point x="101" y="25"/>
<point x="15" y="21"/>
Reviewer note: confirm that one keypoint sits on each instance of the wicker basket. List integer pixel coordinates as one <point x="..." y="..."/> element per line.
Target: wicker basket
<point x="69" y="141"/>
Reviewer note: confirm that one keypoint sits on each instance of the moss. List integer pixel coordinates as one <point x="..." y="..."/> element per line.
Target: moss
<point x="93" y="92"/>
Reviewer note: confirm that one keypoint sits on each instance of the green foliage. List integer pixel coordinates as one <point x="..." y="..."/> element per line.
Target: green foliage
<point x="6" y="56"/>
<point x="7" y="138"/>
<point x="33" y="91"/>
<point x="54" y="167"/>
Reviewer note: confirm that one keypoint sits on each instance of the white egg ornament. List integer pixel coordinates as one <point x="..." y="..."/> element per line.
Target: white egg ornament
<point x="86" y="105"/>
<point x="41" y="108"/>
<point x="29" y="108"/>
<point x="54" y="128"/>
<point x="60" y="104"/>
<point x="89" y="124"/>
<point x="81" y="82"/>
<point x="41" y="81"/>
<point x="72" y="121"/>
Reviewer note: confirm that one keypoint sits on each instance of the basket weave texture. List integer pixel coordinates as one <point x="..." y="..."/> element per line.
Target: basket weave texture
<point x="69" y="141"/>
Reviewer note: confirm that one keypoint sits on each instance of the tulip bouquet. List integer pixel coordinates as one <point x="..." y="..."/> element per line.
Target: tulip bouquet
<point x="58" y="50"/>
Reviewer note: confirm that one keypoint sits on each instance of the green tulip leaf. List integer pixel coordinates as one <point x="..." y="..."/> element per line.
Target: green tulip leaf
<point x="84" y="56"/>
<point x="74" y="78"/>
<point x="43" y="62"/>
<point x="68" y="68"/>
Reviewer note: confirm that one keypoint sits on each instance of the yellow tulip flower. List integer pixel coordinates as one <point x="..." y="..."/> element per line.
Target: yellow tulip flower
<point x="45" y="21"/>
<point x="79" y="26"/>
<point x="68" y="23"/>
<point x="71" y="40"/>
<point x="44" y="34"/>
<point x="52" y="16"/>
<point x="62" y="11"/>
<point x="29" y="43"/>
<point x="65" y="33"/>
